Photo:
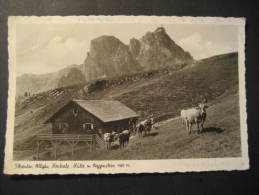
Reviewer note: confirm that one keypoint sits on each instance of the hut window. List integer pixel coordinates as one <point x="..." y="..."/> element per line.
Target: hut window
<point x="88" y="126"/>
<point x="62" y="125"/>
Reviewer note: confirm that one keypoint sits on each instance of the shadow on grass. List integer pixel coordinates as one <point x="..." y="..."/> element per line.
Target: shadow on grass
<point x="153" y="134"/>
<point x="212" y="129"/>
<point x="115" y="147"/>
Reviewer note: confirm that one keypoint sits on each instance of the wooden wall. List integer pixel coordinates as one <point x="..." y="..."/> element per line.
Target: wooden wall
<point x="117" y="126"/>
<point x="75" y="122"/>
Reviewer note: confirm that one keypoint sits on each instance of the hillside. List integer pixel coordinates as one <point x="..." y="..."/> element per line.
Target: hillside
<point x="164" y="93"/>
<point x="220" y="138"/>
<point x="161" y="92"/>
<point x="36" y="83"/>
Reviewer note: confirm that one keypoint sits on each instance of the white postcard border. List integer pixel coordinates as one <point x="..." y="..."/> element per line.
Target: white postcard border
<point x="123" y="166"/>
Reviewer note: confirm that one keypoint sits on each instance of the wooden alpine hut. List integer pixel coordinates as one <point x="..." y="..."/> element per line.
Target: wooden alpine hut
<point x="92" y="117"/>
<point x="86" y="121"/>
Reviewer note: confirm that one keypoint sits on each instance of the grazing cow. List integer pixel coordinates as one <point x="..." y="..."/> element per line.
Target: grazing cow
<point x="203" y="107"/>
<point x="111" y="138"/>
<point x="133" y="126"/>
<point x="124" y="138"/>
<point x="107" y="139"/>
<point x="144" y="127"/>
<point x="152" y="122"/>
<point x="194" y="115"/>
<point x="148" y="127"/>
<point x="141" y="128"/>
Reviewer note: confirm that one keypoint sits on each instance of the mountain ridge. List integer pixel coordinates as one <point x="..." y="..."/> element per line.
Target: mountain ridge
<point x="36" y="83"/>
<point x="109" y="57"/>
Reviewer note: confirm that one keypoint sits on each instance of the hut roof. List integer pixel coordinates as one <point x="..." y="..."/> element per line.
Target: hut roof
<point x="105" y="110"/>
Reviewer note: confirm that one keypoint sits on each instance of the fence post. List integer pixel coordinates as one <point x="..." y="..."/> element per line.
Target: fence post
<point x="55" y="144"/>
<point x="38" y="148"/>
<point x="73" y="144"/>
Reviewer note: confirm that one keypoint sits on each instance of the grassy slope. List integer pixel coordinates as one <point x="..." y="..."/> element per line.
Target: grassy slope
<point x="221" y="138"/>
<point x="163" y="95"/>
<point x="34" y="111"/>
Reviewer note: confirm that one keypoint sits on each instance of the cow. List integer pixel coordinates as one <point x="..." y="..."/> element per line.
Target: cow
<point x="107" y="139"/>
<point x="132" y="126"/>
<point x="148" y="127"/>
<point x="144" y="127"/>
<point x="140" y="129"/>
<point x="124" y="138"/>
<point x="152" y="122"/>
<point x="194" y="115"/>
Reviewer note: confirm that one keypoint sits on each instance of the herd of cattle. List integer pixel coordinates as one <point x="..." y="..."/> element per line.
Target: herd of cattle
<point x="122" y="138"/>
<point x="189" y="117"/>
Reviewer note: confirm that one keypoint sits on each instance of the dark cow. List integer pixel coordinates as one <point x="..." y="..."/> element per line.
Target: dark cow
<point x="145" y="127"/>
<point x="124" y="139"/>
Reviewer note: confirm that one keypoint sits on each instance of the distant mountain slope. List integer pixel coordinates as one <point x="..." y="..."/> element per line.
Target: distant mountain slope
<point x="73" y="77"/>
<point x="162" y="92"/>
<point x="36" y="83"/>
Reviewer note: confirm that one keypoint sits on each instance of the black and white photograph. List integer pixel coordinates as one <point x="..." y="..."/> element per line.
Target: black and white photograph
<point x="114" y="94"/>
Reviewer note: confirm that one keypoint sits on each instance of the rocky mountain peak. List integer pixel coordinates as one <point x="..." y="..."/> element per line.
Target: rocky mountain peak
<point x="107" y="44"/>
<point x="160" y="30"/>
<point x="134" y="47"/>
<point x="158" y="50"/>
<point x="109" y="57"/>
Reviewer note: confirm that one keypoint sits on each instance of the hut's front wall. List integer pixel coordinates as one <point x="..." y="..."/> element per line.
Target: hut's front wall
<point x="75" y="120"/>
<point x="119" y="126"/>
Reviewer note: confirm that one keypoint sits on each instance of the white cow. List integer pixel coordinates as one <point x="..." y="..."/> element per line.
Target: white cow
<point x="194" y="115"/>
<point x="107" y="140"/>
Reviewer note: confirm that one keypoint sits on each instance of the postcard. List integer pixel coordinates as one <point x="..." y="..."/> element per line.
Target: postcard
<point x="125" y="94"/>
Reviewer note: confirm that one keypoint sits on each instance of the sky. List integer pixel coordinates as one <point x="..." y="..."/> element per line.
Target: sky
<point x="44" y="48"/>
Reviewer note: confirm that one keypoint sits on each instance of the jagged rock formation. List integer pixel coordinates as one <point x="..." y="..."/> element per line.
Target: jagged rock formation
<point x="134" y="47"/>
<point x="158" y="50"/>
<point x="109" y="57"/>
